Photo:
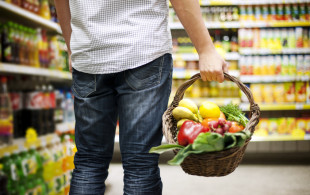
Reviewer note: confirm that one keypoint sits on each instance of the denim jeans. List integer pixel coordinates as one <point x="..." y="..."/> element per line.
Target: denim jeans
<point x="137" y="98"/>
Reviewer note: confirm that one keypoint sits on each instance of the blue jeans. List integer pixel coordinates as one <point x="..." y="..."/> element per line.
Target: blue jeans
<point x="138" y="98"/>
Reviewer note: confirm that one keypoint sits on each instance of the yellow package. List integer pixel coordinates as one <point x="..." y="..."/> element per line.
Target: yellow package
<point x="308" y="125"/>
<point x="291" y="124"/>
<point x="301" y="91"/>
<point x="289" y="93"/>
<point x="264" y="124"/>
<point x="308" y="92"/>
<point x="257" y="92"/>
<point x="278" y="93"/>
<point x="301" y="123"/>
<point x="282" y="126"/>
<point x="273" y="125"/>
<point x="268" y="93"/>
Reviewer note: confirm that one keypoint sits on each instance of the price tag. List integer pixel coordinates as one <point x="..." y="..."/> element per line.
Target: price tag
<point x="299" y="106"/>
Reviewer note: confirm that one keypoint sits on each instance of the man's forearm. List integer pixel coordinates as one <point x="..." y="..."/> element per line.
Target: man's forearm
<point x="189" y="14"/>
<point x="64" y="17"/>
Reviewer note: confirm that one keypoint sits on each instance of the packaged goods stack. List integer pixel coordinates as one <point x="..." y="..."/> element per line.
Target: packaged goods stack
<point x="35" y="157"/>
<point x="267" y="45"/>
<point x="45" y="169"/>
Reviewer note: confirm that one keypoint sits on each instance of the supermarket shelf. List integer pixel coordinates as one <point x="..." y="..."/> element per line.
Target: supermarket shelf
<point x="218" y="101"/>
<point x="186" y="74"/>
<point x="272" y="78"/>
<point x="245" y="24"/>
<point x="195" y="57"/>
<point x="275" y="106"/>
<point x="280" y="138"/>
<point x="21" y="69"/>
<point x="29" y="16"/>
<point x="251" y="51"/>
<point x="21" y="143"/>
<point x="248" y="2"/>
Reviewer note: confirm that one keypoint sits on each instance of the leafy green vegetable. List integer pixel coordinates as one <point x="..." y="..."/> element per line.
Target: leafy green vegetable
<point x="241" y="137"/>
<point x="209" y="142"/>
<point x="166" y="147"/>
<point x="234" y="113"/>
<point x="230" y="140"/>
<point x="182" y="154"/>
<point x="205" y="142"/>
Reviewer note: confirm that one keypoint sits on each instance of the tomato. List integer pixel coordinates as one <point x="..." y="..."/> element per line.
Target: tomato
<point x="235" y="127"/>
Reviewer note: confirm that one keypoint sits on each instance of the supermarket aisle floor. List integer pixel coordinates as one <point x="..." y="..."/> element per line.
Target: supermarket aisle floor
<point x="246" y="179"/>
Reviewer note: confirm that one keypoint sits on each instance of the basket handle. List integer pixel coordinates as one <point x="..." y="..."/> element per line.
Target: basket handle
<point x="254" y="108"/>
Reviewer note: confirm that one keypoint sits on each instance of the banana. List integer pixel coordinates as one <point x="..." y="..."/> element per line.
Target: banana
<point x="183" y="113"/>
<point x="180" y="123"/>
<point x="187" y="103"/>
<point x="199" y="117"/>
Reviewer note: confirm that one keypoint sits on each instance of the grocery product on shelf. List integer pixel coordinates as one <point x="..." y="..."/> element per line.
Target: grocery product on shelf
<point x="286" y="65"/>
<point x="69" y="109"/>
<point x="270" y="40"/>
<point x="32" y="47"/>
<point x="275" y="12"/>
<point x="288" y="92"/>
<point x="46" y="169"/>
<point x="39" y="7"/>
<point x="6" y="114"/>
<point x="282" y="126"/>
<point x="3" y="181"/>
<point x="226" y="40"/>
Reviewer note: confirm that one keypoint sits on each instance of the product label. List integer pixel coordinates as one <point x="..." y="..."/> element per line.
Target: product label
<point x="34" y="100"/>
<point x="16" y="100"/>
<point x="14" y="175"/>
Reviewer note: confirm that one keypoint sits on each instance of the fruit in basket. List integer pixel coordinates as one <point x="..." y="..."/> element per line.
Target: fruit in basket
<point x="235" y="127"/>
<point x="183" y="113"/>
<point x="206" y="121"/>
<point x="209" y="110"/>
<point x="189" y="131"/>
<point x="180" y="123"/>
<point x="188" y="103"/>
<point x="222" y="115"/>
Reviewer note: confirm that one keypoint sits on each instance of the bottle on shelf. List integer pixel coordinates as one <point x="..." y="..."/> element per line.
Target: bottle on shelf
<point x="69" y="109"/>
<point x="3" y="181"/>
<point x="45" y="10"/>
<point x="6" y="114"/>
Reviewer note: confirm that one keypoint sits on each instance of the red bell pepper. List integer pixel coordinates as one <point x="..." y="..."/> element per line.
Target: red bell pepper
<point x="189" y="131"/>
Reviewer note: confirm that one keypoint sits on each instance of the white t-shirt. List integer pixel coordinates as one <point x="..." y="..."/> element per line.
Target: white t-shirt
<point x="110" y="36"/>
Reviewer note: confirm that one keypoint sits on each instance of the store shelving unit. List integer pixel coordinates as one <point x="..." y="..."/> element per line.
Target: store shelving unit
<point x="247" y="2"/>
<point x="245" y="24"/>
<point x="21" y="143"/>
<point x="195" y="57"/>
<point x="272" y="78"/>
<point x="27" y="70"/>
<point x="249" y="79"/>
<point x="30" y="17"/>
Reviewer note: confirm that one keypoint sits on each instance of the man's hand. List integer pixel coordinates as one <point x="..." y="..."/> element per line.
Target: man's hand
<point x="212" y="66"/>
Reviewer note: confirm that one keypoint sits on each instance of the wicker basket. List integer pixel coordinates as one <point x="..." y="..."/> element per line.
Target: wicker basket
<point x="213" y="163"/>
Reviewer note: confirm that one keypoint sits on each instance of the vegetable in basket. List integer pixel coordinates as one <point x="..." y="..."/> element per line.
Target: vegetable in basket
<point x="234" y="113"/>
<point x="205" y="142"/>
<point x="189" y="131"/>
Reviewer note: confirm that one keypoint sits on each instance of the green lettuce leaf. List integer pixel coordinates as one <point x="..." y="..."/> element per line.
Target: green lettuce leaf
<point x="163" y="148"/>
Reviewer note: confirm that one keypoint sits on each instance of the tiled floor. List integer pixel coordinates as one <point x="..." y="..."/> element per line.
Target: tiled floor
<point x="245" y="180"/>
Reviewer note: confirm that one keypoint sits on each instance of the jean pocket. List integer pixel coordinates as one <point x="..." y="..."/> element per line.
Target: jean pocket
<point x="83" y="83"/>
<point x="146" y="76"/>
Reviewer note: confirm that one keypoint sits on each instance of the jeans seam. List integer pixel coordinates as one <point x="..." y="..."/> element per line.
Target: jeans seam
<point x="161" y="68"/>
<point x="95" y="83"/>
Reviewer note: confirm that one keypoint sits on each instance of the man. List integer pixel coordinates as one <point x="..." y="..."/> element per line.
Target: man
<point x="122" y="69"/>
